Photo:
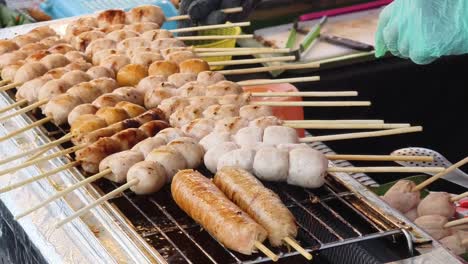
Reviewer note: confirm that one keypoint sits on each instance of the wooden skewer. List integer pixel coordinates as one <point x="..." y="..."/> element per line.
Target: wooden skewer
<point x="298" y="247"/>
<point x="23" y="129"/>
<point x="99" y="201"/>
<point x="346" y="126"/>
<point x="459" y="197"/>
<point x="24" y="110"/>
<point x="45" y="147"/>
<point x="312" y="104"/>
<point x="379" y="133"/>
<point x="266" y="251"/>
<point x="457" y="222"/>
<point x="385" y="169"/>
<point x="275" y="81"/>
<point x="216" y="37"/>
<point x="9" y="86"/>
<point x="62" y="193"/>
<point x="3" y="82"/>
<point x="225" y="25"/>
<point x="226" y="11"/>
<point x="19" y="103"/>
<point x="379" y="157"/>
<point x="270" y="68"/>
<point x="339" y="121"/>
<point x="241" y="52"/>
<point x="33" y="162"/>
<point x="305" y="94"/>
<point x="251" y="61"/>
<point x="432" y="179"/>
<point x="39" y="177"/>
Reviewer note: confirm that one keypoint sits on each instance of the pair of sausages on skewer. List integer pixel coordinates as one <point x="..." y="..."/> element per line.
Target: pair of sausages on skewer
<point x="235" y="208"/>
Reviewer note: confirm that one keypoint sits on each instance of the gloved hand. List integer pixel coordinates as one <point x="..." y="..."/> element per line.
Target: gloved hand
<point x="423" y="30"/>
<point x="208" y="12"/>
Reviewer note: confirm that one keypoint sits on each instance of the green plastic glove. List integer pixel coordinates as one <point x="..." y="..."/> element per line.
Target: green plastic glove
<point x="423" y="30"/>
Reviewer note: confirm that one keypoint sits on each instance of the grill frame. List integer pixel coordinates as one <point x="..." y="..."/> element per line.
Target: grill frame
<point x="125" y="236"/>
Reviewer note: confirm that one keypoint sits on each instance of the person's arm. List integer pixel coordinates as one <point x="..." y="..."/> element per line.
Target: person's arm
<point x="423" y="30"/>
<point x="208" y="12"/>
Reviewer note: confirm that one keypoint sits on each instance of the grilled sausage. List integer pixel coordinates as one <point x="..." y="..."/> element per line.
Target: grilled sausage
<point x="146" y="13"/>
<point x="60" y="106"/>
<point x="91" y="156"/>
<point x="164" y="68"/>
<point x="208" y="206"/>
<point x="194" y="66"/>
<point x="259" y="202"/>
<point x="132" y="109"/>
<point x="190" y="150"/>
<point x="29" y="71"/>
<point x="79" y="110"/>
<point x="111" y="17"/>
<point x="119" y="163"/>
<point x="112" y="115"/>
<point x="153" y="127"/>
<point x="151" y="177"/>
<point x="210" y="77"/>
<point x="147" y="145"/>
<point x="171" y="159"/>
<point x="221" y="111"/>
<point x="179" y="79"/>
<point x="241" y="158"/>
<point x="224" y="88"/>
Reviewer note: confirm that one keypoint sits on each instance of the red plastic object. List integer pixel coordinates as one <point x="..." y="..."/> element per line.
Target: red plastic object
<point x="282" y="112"/>
<point x="344" y="10"/>
<point x="463" y="203"/>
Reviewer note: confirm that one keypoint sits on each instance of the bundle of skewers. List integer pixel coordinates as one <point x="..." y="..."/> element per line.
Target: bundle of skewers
<point x="144" y="110"/>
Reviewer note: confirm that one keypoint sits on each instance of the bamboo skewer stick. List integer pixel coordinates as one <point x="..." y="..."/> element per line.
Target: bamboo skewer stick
<point x="311" y="104"/>
<point x="379" y="133"/>
<point x="216" y="37"/>
<point x="28" y="127"/>
<point x="346" y="126"/>
<point x="385" y="169"/>
<point x="459" y="197"/>
<point x="270" y="68"/>
<point x="266" y="251"/>
<point x="39" y="177"/>
<point x="241" y="52"/>
<point x="99" y="201"/>
<point x="275" y="81"/>
<point x="19" y="103"/>
<point x="9" y="86"/>
<point x="33" y="162"/>
<point x="225" y="25"/>
<point x="3" y="82"/>
<point x="225" y="11"/>
<point x="62" y="193"/>
<point x="251" y="61"/>
<point x="24" y="110"/>
<point x="336" y="121"/>
<point x="293" y="243"/>
<point x="45" y="147"/>
<point x="432" y="179"/>
<point x="378" y="157"/>
<point x="305" y="94"/>
<point x="457" y="222"/>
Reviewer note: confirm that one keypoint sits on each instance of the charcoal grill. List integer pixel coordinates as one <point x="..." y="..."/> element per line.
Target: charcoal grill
<point x="341" y="222"/>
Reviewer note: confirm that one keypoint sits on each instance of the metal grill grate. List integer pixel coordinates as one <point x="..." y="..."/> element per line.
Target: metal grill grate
<point x="330" y="226"/>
